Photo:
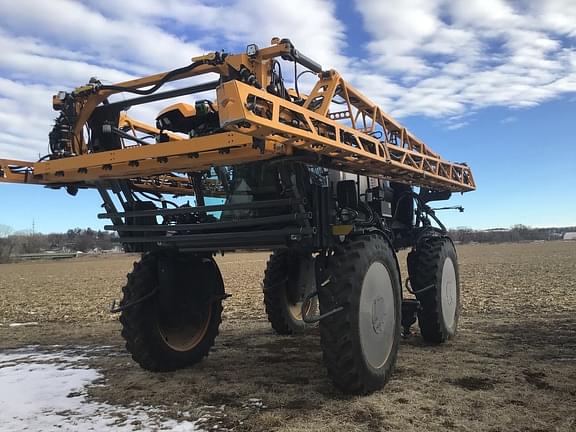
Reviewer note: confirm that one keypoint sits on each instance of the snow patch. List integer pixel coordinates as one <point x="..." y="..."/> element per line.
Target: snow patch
<point x="24" y="324"/>
<point x="47" y="391"/>
<point x="255" y="403"/>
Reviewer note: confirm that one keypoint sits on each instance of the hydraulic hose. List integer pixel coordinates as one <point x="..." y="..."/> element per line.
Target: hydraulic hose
<point x="159" y="84"/>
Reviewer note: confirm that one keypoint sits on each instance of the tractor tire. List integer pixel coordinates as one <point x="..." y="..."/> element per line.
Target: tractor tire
<point x="360" y="342"/>
<point x="434" y="278"/>
<point x="163" y="341"/>
<point x="283" y="294"/>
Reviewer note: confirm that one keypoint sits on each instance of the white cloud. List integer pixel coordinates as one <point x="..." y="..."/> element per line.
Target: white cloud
<point x="509" y="119"/>
<point x="458" y="55"/>
<point x="310" y="24"/>
<point x="72" y="25"/>
<point x="558" y="16"/>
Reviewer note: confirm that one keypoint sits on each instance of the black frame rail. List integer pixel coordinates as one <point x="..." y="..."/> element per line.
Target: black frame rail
<point x="204" y="209"/>
<point x="273" y="231"/>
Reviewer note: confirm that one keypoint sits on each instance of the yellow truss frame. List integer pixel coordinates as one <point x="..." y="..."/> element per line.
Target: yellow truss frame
<point x="257" y="126"/>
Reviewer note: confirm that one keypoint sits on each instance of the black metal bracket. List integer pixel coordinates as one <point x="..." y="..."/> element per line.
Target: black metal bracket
<point x="317" y="318"/>
<point x="122" y="308"/>
<point x="420" y="291"/>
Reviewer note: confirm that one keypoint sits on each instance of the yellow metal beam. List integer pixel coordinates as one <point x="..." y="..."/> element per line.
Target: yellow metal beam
<point x="194" y="154"/>
<point x="360" y="153"/>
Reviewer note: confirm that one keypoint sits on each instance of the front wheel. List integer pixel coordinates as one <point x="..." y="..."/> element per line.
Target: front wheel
<point x="434" y="278"/>
<point x="360" y="342"/>
<point x="180" y="333"/>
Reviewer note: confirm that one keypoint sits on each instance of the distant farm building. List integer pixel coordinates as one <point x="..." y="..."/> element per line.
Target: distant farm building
<point x="569" y="236"/>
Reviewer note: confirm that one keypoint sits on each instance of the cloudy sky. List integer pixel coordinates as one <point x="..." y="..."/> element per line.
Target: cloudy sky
<point x="490" y="82"/>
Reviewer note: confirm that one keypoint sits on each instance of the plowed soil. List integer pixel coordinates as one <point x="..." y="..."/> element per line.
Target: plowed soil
<point x="512" y="366"/>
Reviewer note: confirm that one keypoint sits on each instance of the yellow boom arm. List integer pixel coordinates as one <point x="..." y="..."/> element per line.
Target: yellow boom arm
<point x="257" y="121"/>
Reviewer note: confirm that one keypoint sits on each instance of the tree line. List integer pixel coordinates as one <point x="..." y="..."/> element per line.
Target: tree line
<point x="518" y="233"/>
<point x="84" y="240"/>
<point x="74" y="240"/>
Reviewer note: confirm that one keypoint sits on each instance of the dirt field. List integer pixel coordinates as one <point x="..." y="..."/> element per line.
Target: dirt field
<point x="511" y="368"/>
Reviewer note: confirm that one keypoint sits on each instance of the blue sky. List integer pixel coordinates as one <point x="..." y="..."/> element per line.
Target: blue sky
<point x="491" y="82"/>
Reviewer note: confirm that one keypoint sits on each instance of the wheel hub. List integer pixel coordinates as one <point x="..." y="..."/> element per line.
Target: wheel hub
<point x="449" y="293"/>
<point x="187" y="331"/>
<point x="377" y="315"/>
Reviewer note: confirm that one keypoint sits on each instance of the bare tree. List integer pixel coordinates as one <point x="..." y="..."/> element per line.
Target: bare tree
<point x="6" y="243"/>
<point x="5" y="230"/>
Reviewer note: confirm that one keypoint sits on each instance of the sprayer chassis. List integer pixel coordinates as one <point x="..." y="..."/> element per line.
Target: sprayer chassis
<point x="324" y="180"/>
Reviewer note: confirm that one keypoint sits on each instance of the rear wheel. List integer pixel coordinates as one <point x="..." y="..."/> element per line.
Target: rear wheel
<point x="289" y="277"/>
<point x="164" y="337"/>
<point x="360" y="342"/>
<point x="434" y="278"/>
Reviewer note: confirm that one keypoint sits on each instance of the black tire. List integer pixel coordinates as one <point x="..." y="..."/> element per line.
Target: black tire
<point x="429" y="270"/>
<point x="161" y="341"/>
<point x="282" y="296"/>
<point x="355" y="366"/>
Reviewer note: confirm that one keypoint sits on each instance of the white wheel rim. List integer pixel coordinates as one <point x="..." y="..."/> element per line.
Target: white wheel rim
<point x="449" y="293"/>
<point x="377" y="315"/>
<point x="295" y="310"/>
